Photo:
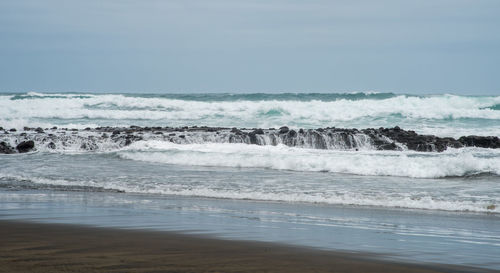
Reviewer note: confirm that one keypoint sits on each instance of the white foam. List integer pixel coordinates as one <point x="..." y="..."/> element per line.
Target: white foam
<point x="296" y="193"/>
<point x="93" y="109"/>
<point x="458" y="162"/>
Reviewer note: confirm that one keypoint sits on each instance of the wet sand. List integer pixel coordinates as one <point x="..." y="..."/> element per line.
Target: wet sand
<point x="34" y="247"/>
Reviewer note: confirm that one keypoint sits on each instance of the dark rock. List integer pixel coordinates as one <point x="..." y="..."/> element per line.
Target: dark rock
<point x="284" y="130"/>
<point x="116" y="132"/>
<point x="25" y="146"/>
<point x="236" y="131"/>
<point x="258" y="132"/>
<point x="39" y="130"/>
<point x="5" y="148"/>
<point x="51" y="145"/>
<point x="480" y="141"/>
<point x="13" y="130"/>
<point x="390" y="147"/>
<point x="292" y="133"/>
<point x="253" y="138"/>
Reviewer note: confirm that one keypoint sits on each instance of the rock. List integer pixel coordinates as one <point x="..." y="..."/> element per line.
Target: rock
<point x="258" y="131"/>
<point x="253" y="138"/>
<point x="284" y="130"/>
<point x="116" y="132"/>
<point x="13" y="130"/>
<point x="388" y="147"/>
<point x="51" y="145"/>
<point x="39" y="130"/>
<point x="236" y="131"/>
<point x="25" y="146"/>
<point x="480" y="141"/>
<point x="5" y="148"/>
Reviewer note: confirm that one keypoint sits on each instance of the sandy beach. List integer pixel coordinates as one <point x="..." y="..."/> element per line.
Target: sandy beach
<point x="34" y="247"/>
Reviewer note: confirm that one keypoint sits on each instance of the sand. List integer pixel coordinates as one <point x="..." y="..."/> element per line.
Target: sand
<point x="36" y="247"/>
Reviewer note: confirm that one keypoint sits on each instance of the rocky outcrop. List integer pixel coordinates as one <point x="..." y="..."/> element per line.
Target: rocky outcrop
<point x="25" y="146"/>
<point x="480" y="141"/>
<point x="106" y="138"/>
<point x="5" y="148"/>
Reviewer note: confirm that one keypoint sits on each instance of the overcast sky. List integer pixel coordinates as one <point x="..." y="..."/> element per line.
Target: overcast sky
<point x="425" y="46"/>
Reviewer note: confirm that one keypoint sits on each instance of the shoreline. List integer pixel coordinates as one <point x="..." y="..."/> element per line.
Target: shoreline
<point x="34" y="247"/>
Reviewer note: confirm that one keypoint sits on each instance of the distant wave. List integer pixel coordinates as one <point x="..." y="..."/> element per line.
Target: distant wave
<point x="224" y="96"/>
<point x="445" y="115"/>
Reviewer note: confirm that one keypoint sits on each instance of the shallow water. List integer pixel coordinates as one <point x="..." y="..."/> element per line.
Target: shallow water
<point x="265" y="177"/>
<point x="393" y="234"/>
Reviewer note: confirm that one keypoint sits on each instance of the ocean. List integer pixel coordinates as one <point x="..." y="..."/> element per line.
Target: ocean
<point x="430" y="206"/>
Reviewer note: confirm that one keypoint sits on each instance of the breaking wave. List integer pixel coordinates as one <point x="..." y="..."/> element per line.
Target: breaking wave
<point x="329" y="195"/>
<point x="426" y="114"/>
<point x="459" y="162"/>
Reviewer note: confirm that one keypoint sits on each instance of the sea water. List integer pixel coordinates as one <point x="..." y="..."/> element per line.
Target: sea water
<point x="275" y="193"/>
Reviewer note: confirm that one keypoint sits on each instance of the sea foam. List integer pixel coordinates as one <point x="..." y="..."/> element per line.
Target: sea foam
<point x="459" y="162"/>
<point x="429" y="114"/>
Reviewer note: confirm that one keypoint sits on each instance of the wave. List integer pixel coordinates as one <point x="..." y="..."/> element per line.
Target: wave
<point x="282" y="193"/>
<point x="439" y="112"/>
<point x="460" y="162"/>
<point x="226" y="96"/>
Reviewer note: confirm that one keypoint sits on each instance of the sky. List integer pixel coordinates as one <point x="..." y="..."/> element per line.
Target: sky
<point x="425" y="46"/>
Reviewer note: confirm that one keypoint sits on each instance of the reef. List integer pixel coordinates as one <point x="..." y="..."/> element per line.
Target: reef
<point x="106" y="138"/>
